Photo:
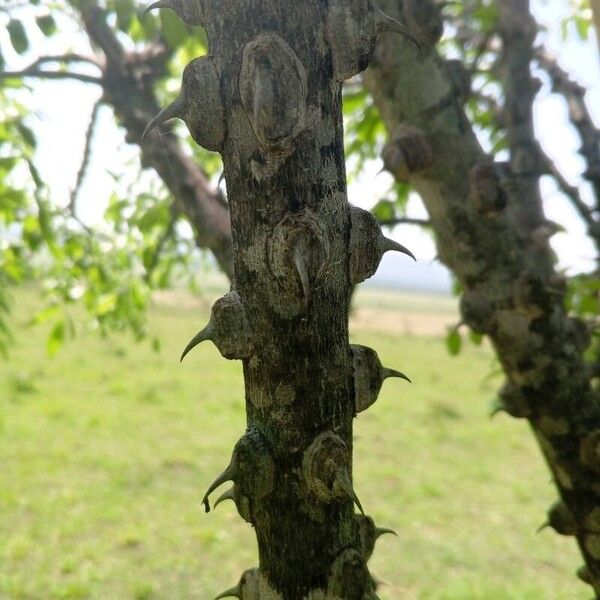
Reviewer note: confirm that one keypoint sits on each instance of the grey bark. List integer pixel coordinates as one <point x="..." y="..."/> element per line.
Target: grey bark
<point x="268" y="97"/>
<point x="491" y="232"/>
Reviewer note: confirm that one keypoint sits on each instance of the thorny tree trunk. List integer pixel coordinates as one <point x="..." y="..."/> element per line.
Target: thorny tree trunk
<point x="268" y="97"/>
<point x="491" y="232"/>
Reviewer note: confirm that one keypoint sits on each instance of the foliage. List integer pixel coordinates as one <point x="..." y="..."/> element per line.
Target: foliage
<point x="141" y="245"/>
<point x="105" y="464"/>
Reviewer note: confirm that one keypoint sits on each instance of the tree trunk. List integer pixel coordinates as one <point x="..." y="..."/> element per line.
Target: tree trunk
<point x="491" y="232"/>
<point x="268" y="97"/>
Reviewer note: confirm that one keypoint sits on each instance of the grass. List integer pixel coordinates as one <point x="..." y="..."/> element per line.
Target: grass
<point x="106" y="450"/>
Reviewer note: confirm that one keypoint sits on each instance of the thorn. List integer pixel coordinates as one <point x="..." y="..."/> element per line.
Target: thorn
<point x="234" y="592"/>
<point x="226" y="475"/>
<point x="390" y="245"/>
<point x="202" y="336"/>
<point x="221" y="179"/>
<point x="379" y="531"/>
<point x="300" y="264"/>
<point x="386" y="373"/>
<point x="542" y="527"/>
<point x="228" y="495"/>
<point x="159" y="4"/>
<point x="384" y="23"/>
<point x="342" y="482"/>
<point x="173" y="111"/>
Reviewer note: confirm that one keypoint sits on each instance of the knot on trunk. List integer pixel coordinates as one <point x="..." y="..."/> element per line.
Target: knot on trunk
<point x="369" y="375"/>
<point x="477" y="310"/>
<point x="487" y="194"/>
<point x="198" y="105"/>
<point x="253" y="472"/>
<point x="352" y="30"/>
<point x="228" y="329"/>
<point x="368" y="534"/>
<point x="298" y="253"/>
<point x="512" y="401"/>
<point x="407" y="153"/>
<point x="327" y="467"/>
<point x="273" y="91"/>
<point x="368" y="245"/>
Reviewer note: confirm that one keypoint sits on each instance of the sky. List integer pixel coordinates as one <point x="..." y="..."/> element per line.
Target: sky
<point x="61" y="111"/>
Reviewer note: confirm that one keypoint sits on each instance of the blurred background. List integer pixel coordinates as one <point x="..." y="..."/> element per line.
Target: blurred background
<point x="107" y="443"/>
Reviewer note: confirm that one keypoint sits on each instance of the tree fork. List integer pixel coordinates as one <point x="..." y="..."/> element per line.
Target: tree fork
<point x="268" y="98"/>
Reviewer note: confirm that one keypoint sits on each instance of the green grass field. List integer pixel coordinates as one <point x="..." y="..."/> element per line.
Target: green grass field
<point x="106" y="450"/>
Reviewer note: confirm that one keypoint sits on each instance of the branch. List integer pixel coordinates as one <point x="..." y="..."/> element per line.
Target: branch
<point x="68" y="58"/>
<point x="569" y="190"/>
<point x="579" y="115"/>
<point x="164" y="238"/>
<point x="34" y="73"/>
<point x="87" y="152"/>
<point x="405" y="221"/>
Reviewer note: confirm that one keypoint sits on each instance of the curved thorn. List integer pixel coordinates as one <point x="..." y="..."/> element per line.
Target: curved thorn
<point x="173" y="111"/>
<point x="158" y="4"/>
<point x="342" y="481"/>
<point x="390" y="245"/>
<point x="228" y="495"/>
<point x="300" y="265"/>
<point x="234" y="592"/>
<point x="379" y="531"/>
<point x="202" y="336"/>
<point x="542" y="527"/>
<point x="226" y="475"/>
<point x="385" y="23"/>
<point x="386" y="373"/>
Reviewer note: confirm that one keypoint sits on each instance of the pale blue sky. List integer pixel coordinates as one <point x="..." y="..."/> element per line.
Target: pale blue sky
<point x="61" y="112"/>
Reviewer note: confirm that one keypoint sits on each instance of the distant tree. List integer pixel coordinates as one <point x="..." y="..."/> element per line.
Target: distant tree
<point x="285" y="316"/>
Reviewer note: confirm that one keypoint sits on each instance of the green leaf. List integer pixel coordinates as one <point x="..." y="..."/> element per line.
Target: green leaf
<point x="18" y="36"/>
<point x="453" y="341"/>
<point x="56" y="339"/>
<point x="384" y="210"/>
<point x="155" y="216"/>
<point x="125" y="10"/>
<point x="44" y="315"/>
<point x="173" y="30"/>
<point x="46" y="24"/>
<point x="105" y="304"/>
<point x="27" y="135"/>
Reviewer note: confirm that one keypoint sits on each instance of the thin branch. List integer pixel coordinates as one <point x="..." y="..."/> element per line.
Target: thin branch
<point x="585" y="212"/>
<point x="87" y="152"/>
<point x="579" y="115"/>
<point x="34" y="73"/>
<point x="405" y="221"/>
<point x="164" y="238"/>
<point x="68" y="58"/>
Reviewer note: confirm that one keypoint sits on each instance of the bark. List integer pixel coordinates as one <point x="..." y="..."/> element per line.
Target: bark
<point x="268" y="98"/>
<point x="127" y="83"/>
<point x="492" y="234"/>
